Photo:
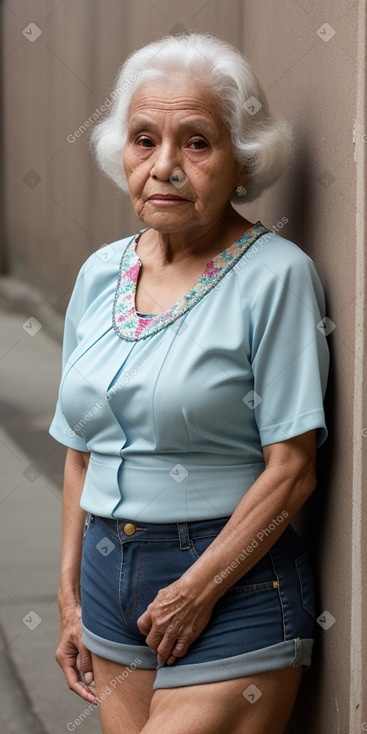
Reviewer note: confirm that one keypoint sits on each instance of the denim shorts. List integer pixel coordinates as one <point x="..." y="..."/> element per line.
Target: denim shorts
<point x="265" y="621"/>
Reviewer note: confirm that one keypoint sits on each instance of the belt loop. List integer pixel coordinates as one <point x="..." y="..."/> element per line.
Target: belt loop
<point x="184" y="535"/>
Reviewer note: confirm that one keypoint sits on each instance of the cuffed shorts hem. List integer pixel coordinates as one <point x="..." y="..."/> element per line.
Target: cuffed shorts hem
<point x="288" y="654"/>
<point x="117" y="651"/>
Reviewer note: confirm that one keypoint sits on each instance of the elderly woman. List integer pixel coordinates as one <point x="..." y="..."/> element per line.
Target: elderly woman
<point x="191" y="403"/>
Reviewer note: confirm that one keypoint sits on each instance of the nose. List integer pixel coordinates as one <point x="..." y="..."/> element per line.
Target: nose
<point x="166" y="162"/>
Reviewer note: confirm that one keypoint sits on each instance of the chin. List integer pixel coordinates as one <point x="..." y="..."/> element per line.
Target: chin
<point x="167" y="222"/>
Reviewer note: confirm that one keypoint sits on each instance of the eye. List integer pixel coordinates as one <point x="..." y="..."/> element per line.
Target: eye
<point x="144" y="141"/>
<point x="198" y="144"/>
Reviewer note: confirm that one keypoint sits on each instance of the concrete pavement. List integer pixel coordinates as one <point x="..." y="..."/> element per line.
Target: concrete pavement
<point x="34" y="693"/>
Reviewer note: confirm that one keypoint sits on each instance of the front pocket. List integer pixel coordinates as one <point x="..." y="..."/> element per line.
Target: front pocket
<point x="250" y="588"/>
<point x="199" y="545"/>
<point x="86" y="524"/>
<point x="260" y="577"/>
<point x="306" y="582"/>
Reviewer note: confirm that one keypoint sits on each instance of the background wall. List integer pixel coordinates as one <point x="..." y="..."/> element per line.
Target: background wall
<point x="60" y="59"/>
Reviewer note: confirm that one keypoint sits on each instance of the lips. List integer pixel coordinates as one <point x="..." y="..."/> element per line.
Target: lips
<point x="166" y="197"/>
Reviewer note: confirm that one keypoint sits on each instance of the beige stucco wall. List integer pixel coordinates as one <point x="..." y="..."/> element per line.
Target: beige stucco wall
<point x="319" y="87"/>
<point x="52" y="85"/>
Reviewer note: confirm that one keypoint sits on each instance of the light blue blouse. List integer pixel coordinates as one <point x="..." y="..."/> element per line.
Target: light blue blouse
<point x="175" y="410"/>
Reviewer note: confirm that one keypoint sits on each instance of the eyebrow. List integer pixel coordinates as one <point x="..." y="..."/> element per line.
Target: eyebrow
<point x="142" y="123"/>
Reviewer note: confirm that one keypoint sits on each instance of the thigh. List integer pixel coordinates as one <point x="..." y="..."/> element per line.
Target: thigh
<point x="124" y="695"/>
<point x="257" y="704"/>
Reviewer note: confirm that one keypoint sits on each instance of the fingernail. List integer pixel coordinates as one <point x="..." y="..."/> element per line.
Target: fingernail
<point x="88" y="677"/>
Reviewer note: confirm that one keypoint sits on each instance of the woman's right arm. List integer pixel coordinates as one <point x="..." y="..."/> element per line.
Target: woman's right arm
<point x="71" y="654"/>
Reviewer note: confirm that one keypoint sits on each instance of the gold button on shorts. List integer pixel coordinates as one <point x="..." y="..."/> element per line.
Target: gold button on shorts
<point x="129" y="528"/>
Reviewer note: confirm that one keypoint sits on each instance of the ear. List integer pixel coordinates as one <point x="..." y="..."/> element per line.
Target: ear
<point x="241" y="169"/>
<point x="241" y="177"/>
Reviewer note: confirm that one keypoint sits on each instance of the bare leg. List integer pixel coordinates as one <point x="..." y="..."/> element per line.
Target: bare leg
<point x="125" y="707"/>
<point x="214" y="708"/>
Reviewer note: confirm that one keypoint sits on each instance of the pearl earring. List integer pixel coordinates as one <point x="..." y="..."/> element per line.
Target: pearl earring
<point x="240" y="190"/>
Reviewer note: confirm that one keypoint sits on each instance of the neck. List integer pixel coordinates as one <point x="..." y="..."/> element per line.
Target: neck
<point x="201" y="243"/>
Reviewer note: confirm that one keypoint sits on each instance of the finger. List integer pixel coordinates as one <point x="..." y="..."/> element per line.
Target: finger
<point x="72" y="679"/>
<point x="155" y="640"/>
<point x="83" y="691"/>
<point x="88" y="681"/>
<point x="86" y="678"/>
<point x="166" y="649"/>
<point x="144" y="623"/>
<point x="173" y="647"/>
<point x="84" y="665"/>
<point x="180" y="649"/>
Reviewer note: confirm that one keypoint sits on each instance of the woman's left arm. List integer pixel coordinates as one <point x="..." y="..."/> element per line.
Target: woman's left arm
<point x="180" y="611"/>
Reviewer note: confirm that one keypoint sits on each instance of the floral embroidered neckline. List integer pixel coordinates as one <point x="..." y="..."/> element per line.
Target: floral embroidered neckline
<point x="131" y="327"/>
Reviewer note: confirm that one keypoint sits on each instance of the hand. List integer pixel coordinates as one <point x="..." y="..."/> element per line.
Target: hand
<point x="173" y="620"/>
<point x="73" y="657"/>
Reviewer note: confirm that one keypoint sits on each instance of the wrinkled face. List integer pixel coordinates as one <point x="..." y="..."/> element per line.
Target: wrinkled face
<point x="178" y="156"/>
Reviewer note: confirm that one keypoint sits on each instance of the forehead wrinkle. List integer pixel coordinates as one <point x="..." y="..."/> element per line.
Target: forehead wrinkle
<point x="143" y="123"/>
<point x="173" y="104"/>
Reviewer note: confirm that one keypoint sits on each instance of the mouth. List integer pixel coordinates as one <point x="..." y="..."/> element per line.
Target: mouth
<point x="166" y="198"/>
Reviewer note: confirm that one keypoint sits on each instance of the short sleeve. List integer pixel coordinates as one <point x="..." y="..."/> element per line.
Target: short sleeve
<point x="289" y="352"/>
<point x="59" y="428"/>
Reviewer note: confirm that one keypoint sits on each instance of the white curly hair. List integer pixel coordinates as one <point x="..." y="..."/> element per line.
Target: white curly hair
<point x="263" y="144"/>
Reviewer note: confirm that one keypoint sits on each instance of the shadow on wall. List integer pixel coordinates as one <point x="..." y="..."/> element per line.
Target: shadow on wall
<point x="300" y="190"/>
<point x="311" y="524"/>
<point x="310" y="521"/>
